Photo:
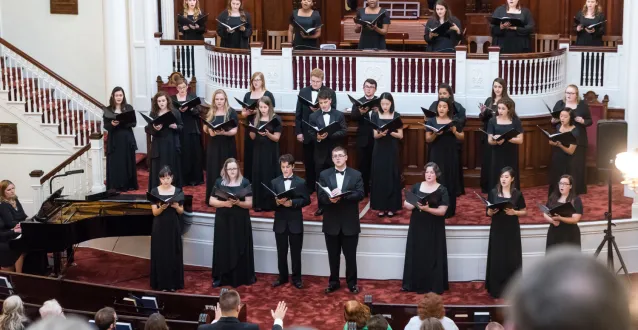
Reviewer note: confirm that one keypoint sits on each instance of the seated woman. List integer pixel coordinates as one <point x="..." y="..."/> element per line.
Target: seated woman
<point x="431" y="306"/>
<point x="13" y="316"/>
<point x="11" y="214"/>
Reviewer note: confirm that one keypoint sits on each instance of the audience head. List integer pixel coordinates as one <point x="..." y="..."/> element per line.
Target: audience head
<point x="105" y="318"/>
<point x="182" y="86"/>
<point x="432" y="172"/>
<point x="506" y="179"/>
<point x="161" y="101"/>
<point x="387" y="103"/>
<point x="60" y="323"/>
<point x="156" y="322"/>
<point x="507" y="108"/>
<point x="325" y="100"/>
<point x="572" y="95"/>
<point x="567" y="117"/>
<point x="230" y="171"/>
<point x="431" y="305"/>
<point x="445" y="92"/>
<point x="568" y="290"/>
<point x="117" y="98"/>
<point x="431" y="323"/>
<point x="444" y="108"/>
<point x="12" y="314"/>
<point x="499" y="88"/>
<point x="166" y="176"/>
<point x="443" y="10"/>
<point x="51" y="308"/>
<point x="287" y="164"/>
<point x="593" y="6"/>
<point x="377" y="322"/>
<point x="316" y="77"/>
<point x="230" y="303"/>
<point x="354" y="311"/>
<point x="339" y="156"/>
<point x="514" y="4"/>
<point x="266" y="110"/>
<point x="369" y="87"/>
<point x="257" y="81"/>
<point x="494" y="326"/>
<point x="7" y="191"/>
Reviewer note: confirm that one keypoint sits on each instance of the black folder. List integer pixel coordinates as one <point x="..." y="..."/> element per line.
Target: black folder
<point x="443" y="128"/>
<point x="288" y="194"/>
<point x="124" y="117"/>
<point x="565" y="138"/>
<point x="307" y="31"/>
<point x="431" y="198"/>
<point x="225" y="126"/>
<point x="564" y="210"/>
<point x="375" y="102"/>
<point x="190" y="103"/>
<point x="513" y="21"/>
<point x="595" y="25"/>
<point x="184" y="20"/>
<point x="329" y="192"/>
<point x="555" y="114"/>
<point x="308" y="102"/>
<point x="512" y="133"/>
<point x="232" y="28"/>
<point x="496" y="206"/>
<point x="154" y="199"/>
<point x="358" y="20"/>
<point x="164" y="120"/>
<point x="391" y="126"/>
<point x="269" y="126"/>
<point x="330" y="128"/>
<point x="225" y="195"/>
<point x="429" y="113"/>
<point x="251" y="106"/>
<point x="441" y="29"/>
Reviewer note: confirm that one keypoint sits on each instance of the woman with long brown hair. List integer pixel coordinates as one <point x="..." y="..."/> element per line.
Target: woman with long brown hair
<point x="512" y="38"/>
<point x="591" y="14"/>
<point x="504" y="153"/>
<point x="265" y="155"/>
<point x="489" y="109"/>
<point x="165" y="145"/>
<point x="257" y="91"/>
<point x="447" y="41"/>
<point x="188" y="25"/>
<point x="234" y="26"/>
<point x="11" y="214"/>
<point x="121" y="173"/>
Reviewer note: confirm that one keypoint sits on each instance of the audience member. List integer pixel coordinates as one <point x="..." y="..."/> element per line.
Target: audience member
<point x="105" y="318"/>
<point x="51" y="308"/>
<point x="13" y="317"/>
<point x="59" y="323"/>
<point x="156" y="322"/>
<point x="568" y="291"/>
<point x="494" y="326"/>
<point x="378" y="322"/>
<point x="227" y="312"/>
<point x="356" y="312"/>
<point x="431" y="323"/>
<point x="431" y="305"/>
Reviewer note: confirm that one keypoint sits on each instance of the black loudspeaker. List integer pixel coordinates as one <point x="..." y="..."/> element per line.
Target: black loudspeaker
<point x="611" y="140"/>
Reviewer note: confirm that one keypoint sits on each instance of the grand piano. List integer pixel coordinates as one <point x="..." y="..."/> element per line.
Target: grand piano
<point x="64" y="221"/>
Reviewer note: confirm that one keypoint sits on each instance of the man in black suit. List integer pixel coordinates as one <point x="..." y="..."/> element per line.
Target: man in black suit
<point x="288" y="225"/>
<point x="227" y="311"/>
<point x="341" y="225"/>
<point x="302" y="114"/>
<point x="365" y="137"/>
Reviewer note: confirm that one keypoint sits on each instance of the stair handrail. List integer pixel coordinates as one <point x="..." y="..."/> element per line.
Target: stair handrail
<point x="66" y="162"/>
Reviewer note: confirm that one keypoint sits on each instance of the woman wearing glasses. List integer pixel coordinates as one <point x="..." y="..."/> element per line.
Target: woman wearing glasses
<point x="564" y="230"/>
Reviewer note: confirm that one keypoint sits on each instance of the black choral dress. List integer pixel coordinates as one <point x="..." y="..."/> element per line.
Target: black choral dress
<point x="505" y="154"/>
<point x="504" y="252"/>
<point x="265" y="168"/>
<point x="218" y="149"/>
<point x="564" y="233"/>
<point x="425" y="267"/>
<point x="193" y="34"/>
<point x="167" y="265"/>
<point x="486" y="148"/>
<point x="121" y="173"/>
<point x="445" y="43"/>
<point x="584" y="38"/>
<point x="313" y="20"/>
<point x="238" y="38"/>
<point x="370" y="39"/>
<point x="385" y="187"/>
<point x="513" y="41"/>
<point x="9" y="218"/>
<point x="191" y="143"/>
<point x="579" y="158"/>
<point x="248" y="142"/>
<point x="233" y="255"/>
<point x="443" y="152"/>
<point x="562" y="163"/>
<point x="165" y="150"/>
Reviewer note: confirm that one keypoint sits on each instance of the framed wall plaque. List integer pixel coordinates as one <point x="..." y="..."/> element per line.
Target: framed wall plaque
<point x="9" y="133"/>
<point x="67" y="7"/>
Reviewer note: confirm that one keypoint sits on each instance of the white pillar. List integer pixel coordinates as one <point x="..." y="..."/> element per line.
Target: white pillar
<point x="168" y="19"/>
<point x="116" y="45"/>
<point x="98" y="174"/>
<point x="37" y="189"/>
<point x="630" y="47"/>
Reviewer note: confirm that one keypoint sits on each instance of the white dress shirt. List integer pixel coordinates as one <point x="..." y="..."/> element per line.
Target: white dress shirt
<point x="340" y="178"/>
<point x="287" y="183"/>
<point x="326" y="118"/>
<point x="313" y="96"/>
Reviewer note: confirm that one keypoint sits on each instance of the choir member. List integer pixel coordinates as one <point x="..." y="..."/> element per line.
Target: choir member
<point x="564" y="230"/>
<point x="385" y="191"/>
<point x="233" y="256"/>
<point x="192" y="12"/>
<point x="11" y="214"/>
<point x="165" y="146"/>
<point x="365" y="137"/>
<point x="442" y="150"/>
<point x="121" y="173"/>
<point x="257" y="91"/>
<point x="448" y="41"/>
<point x="504" y="253"/>
<point x="562" y="155"/>
<point x="488" y="111"/>
<point x="510" y="38"/>
<point x="190" y="136"/>
<point x="167" y="265"/>
<point x="372" y="36"/>
<point x="340" y="223"/>
<point x="504" y="153"/>
<point x="265" y="155"/>
<point x="288" y="224"/>
<point x="425" y="267"/>
<point x="590" y="14"/>
<point x="324" y="143"/>
<point x="221" y="143"/>
<point x="302" y="114"/>
<point x="582" y="119"/>
<point x="308" y="18"/>
<point x="231" y="35"/>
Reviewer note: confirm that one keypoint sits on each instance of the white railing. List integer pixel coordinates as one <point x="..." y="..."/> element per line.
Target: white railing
<point x="187" y="57"/>
<point x="339" y="70"/>
<point x="542" y="73"/>
<point x="423" y="73"/>
<point x="598" y="69"/>
<point x="230" y="68"/>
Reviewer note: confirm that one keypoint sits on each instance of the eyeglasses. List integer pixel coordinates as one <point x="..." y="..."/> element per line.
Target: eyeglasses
<point x="338" y="156"/>
<point x="562" y="184"/>
<point x="232" y="169"/>
<point x="315" y="81"/>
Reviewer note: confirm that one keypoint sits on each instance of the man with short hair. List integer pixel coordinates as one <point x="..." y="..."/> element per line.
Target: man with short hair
<point x="51" y="308"/>
<point x="105" y="318"/>
<point x="365" y="136"/>
<point x="494" y="326"/>
<point x="227" y="311"/>
<point x="377" y="322"/>
<point x="568" y="290"/>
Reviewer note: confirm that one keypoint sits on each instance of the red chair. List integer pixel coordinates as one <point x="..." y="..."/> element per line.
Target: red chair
<point x="598" y="111"/>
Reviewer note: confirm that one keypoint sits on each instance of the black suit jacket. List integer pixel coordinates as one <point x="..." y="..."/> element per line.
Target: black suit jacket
<point x="229" y="323"/>
<point x="342" y="216"/>
<point x="303" y="112"/>
<point x="323" y="149"/>
<point x="290" y="217"/>
<point x="364" y="129"/>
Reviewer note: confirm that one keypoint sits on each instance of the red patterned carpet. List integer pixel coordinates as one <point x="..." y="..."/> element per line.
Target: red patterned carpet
<point x="469" y="209"/>
<point x="309" y="306"/>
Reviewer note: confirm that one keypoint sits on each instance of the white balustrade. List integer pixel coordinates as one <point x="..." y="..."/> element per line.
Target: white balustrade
<point x="422" y="75"/>
<point x="338" y="70"/>
<point x="535" y="76"/>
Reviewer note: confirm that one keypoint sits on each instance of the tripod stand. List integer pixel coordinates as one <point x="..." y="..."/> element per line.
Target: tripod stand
<point x="609" y="237"/>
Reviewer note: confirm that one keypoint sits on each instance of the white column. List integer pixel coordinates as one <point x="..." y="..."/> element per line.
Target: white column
<point x="97" y="163"/>
<point x="37" y="189"/>
<point x="116" y="45"/>
<point x="630" y="51"/>
<point x="168" y="19"/>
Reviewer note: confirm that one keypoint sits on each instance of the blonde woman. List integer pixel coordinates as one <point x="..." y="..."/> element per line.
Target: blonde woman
<point x="191" y="29"/>
<point x="233" y="259"/>
<point x="221" y="144"/>
<point x="257" y="91"/>
<point x="11" y="214"/>
<point x="13" y="317"/>
<point x="231" y="35"/>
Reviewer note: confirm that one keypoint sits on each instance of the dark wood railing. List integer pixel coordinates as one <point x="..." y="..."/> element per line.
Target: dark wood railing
<point x="69" y="160"/>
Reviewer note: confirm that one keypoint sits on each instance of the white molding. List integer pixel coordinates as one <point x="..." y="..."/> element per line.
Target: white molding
<point x="11" y="150"/>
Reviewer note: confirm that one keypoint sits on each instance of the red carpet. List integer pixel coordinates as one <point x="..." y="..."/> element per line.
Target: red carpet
<point x="309" y="306"/>
<point x="469" y="209"/>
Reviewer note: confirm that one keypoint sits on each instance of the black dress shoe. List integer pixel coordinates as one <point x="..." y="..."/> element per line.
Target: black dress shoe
<point x="298" y="285"/>
<point x="216" y="284"/>
<point x="278" y="283"/>
<point x="331" y="288"/>
<point x="319" y="212"/>
<point x="354" y="289"/>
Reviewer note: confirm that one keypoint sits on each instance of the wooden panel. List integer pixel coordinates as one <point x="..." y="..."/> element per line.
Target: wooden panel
<point x="8" y="133"/>
<point x="618" y="114"/>
<point x="68" y="7"/>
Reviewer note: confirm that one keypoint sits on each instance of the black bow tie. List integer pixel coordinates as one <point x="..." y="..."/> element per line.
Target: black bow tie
<point x="288" y="179"/>
<point x="340" y="172"/>
<point x="326" y="112"/>
<point x="316" y="90"/>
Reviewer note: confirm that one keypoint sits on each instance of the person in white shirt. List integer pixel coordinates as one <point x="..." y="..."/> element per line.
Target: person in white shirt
<point x="431" y="306"/>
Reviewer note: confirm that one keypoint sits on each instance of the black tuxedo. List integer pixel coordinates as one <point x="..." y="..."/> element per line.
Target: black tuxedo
<point x="303" y="112"/>
<point x="323" y="148"/>
<point x="365" y="143"/>
<point x="288" y="227"/>
<point x="341" y="225"/>
<point x="229" y="323"/>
